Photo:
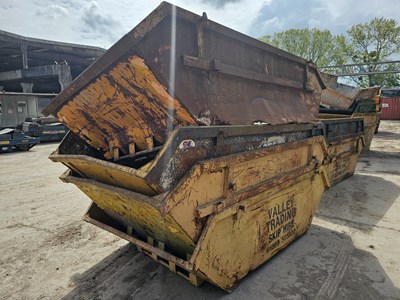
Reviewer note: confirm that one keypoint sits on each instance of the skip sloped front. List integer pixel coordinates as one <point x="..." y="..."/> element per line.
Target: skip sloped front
<point x="267" y="196"/>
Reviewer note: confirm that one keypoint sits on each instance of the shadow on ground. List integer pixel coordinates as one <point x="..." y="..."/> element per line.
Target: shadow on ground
<point x="387" y="135"/>
<point x="355" y="201"/>
<point x="380" y="154"/>
<point x="4" y="153"/>
<point x="323" y="264"/>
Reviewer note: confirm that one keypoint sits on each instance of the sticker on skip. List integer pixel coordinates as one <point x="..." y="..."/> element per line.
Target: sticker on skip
<point x="187" y="144"/>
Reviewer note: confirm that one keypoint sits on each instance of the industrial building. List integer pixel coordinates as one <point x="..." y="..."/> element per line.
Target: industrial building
<point x="34" y="71"/>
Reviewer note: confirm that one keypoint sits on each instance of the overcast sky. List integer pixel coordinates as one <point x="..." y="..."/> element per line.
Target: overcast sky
<point x="102" y="22"/>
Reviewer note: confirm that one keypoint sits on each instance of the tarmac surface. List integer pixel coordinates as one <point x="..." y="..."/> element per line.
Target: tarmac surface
<point x="351" y="251"/>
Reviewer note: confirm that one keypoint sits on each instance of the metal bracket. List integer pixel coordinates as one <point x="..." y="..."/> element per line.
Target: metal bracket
<point x="218" y="66"/>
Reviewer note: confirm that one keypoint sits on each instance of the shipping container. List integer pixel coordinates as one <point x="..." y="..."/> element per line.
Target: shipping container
<point x="390" y="108"/>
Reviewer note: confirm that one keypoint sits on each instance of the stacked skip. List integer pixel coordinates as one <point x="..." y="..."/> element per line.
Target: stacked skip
<point x="344" y="101"/>
<point x="201" y="145"/>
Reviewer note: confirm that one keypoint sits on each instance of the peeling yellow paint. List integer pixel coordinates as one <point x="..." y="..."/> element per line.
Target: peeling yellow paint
<point x="125" y="105"/>
<point x="239" y="194"/>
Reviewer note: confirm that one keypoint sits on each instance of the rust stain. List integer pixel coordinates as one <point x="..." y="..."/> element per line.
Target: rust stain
<point x="344" y="154"/>
<point x="335" y="99"/>
<point x="123" y="106"/>
<point x="232" y="236"/>
<point x="246" y="171"/>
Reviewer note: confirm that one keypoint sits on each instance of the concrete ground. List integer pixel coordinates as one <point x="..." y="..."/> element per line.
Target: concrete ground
<point x="352" y="250"/>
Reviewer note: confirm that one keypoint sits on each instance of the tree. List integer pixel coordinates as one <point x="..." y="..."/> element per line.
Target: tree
<point x="319" y="46"/>
<point x="375" y="41"/>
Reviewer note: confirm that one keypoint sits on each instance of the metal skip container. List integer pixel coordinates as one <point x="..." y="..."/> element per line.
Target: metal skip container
<point x="226" y="215"/>
<point x="163" y="141"/>
<point x="185" y="70"/>
<point x="345" y="141"/>
<point x="342" y="101"/>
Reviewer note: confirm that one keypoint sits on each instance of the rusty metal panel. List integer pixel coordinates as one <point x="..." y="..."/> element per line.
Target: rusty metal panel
<point x="390" y="108"/>
<point x="342" y="128"/>
<point x="333" y="99"/>
<point x="344" y="138"/>
<point x="367" y="93"/>
<point x="329" y="80"/>
<point x="371" y="121"/>
<point x="154" y="172"/>
<point x="343" y="157"/>
<point x="125" y="105"/>
<point x="214" y="75"/>
<point x="106" y="172"/>
<point x="346" y="99"/>
<point x="138" y="211"/>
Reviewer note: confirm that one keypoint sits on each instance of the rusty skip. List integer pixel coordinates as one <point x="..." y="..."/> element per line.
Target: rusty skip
<point x="123" y="103"/>
<point x="219" y="234"/>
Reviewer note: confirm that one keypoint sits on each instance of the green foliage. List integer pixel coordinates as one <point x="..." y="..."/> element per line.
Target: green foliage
<point x="371" y="42"/>
<point x="319" y="46"/>
<point x="374" y="41"/>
